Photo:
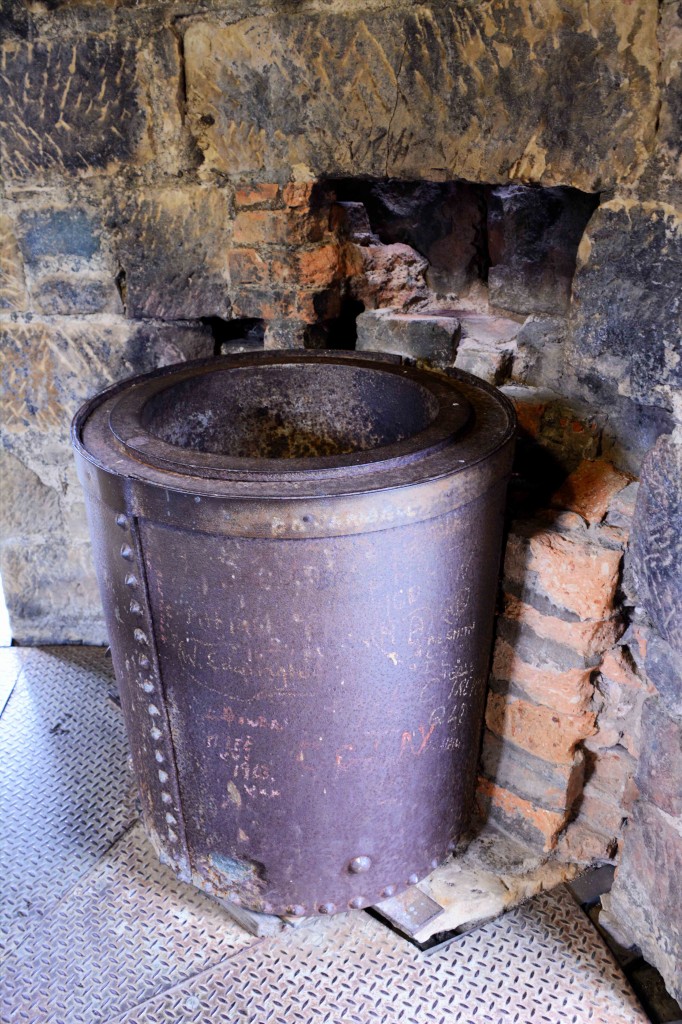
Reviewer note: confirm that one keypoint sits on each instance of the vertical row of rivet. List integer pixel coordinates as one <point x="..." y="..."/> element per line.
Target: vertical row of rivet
<point x="160" y="775"/>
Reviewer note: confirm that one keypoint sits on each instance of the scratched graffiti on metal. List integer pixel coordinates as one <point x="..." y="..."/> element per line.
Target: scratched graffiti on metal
<point x="304" y="671"/>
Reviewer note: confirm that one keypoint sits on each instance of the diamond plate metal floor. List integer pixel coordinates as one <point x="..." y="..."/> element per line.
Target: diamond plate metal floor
<point x="96" y="931"/>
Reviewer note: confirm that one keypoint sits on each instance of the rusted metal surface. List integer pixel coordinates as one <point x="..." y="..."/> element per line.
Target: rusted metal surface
<point x="298" y="557"/>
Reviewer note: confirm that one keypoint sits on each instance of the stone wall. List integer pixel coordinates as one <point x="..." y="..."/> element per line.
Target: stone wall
<point x="504" y="177"/>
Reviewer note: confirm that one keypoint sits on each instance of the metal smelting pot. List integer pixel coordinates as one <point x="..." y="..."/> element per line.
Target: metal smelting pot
<point x="298" y="557"/>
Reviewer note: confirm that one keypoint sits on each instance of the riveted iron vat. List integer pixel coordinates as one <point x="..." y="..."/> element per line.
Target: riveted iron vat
<point x="298" y="556"/>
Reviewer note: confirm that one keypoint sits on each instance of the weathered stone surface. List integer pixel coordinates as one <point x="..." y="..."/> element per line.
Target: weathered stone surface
<point x="487" y="347"/>
<point x="13" y="294"/>
<point x="664" y="670"/>
<point x="70" y="108"/>
<point x="49" y="367"/>
<point x="533" y="237"/>
<point x="417" y="335"/>
<point x="657" y="539"/>
<point x="659" y="777"/>
<point x="662" y="177"/>
<point x="539" y="360"/>
<point x="68" y="269"/>
<point x="646" y="896"/>
<point x="443" y="222"/>
<point x="625" y="319"/>
<point x="479" y="92"/>
<point x="172" y="246"/>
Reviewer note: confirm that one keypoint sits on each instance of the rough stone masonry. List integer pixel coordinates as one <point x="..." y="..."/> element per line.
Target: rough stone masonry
<point x="502" y="181"/>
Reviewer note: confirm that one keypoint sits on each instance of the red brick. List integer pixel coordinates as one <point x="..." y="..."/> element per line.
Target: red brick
<point x="537" y="729"/>
<point x="587" y="639"/>
<point x="246" y="266"/>
<point x="569" y="692"/>
<point x="255" y="195"/>
<point x="319" y="267"/>
<point x="590" y="489"/>
<point x="519" y="812"/>
<point x="574" y="573"/>
<point x="297" y="193"/>
<point x="276" y="227"/>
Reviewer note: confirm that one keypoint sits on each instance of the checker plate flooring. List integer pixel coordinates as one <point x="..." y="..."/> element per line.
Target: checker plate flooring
<point x="94" y="930"/>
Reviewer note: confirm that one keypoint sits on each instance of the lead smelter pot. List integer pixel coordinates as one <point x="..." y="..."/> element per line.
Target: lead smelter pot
<point x="298" y="557"/>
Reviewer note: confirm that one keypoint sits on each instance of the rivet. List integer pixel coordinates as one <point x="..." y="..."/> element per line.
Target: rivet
<point x="452" y="846"/>
<point x="131" y="580"/>
<point x="135" y="608"/>
<point x="147" y="686"/>
<point x="266" y="908"/>
<point x="121" y="520"/>
<point x="172" y="836"/>
<point x="327" y="908"/>
<point x="208" y="887"/>
<point x="296" y="911"/>
<point x="435" y="862"/>
<point x="359" y="865"/>
<point x="159" y="757"/>
<point x="143" y="660"/>
<point x="171" y="819"/>
<point x="155" y="733"/>
<point x="127" y="552"/>
<point x="232" y="898"/>
<point x="153" y="710"/>
<point x="163" y="776"/>
<point x="357" y="903"/>
<point x="413" y="879"/>
<point x="140" y="636"/>
<point x="166" y="798"/>
<point x="388" y="891"/>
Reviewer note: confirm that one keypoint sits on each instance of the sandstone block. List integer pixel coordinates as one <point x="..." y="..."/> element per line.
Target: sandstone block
<point x="537" y="729"/>
<point x="68" y="268"/>
<point x="402" y="94"/>
<point x="383" y="276"/>
<point x="533" y="237"/>
<point x="13" y="294"/>
<point x="624" y="317"/>
<point x="277" y="227"/>
<point x="81" y="99"/>
<point x="647" y="893"/>
<point x="48" y="369"/>
<point x="657" y="540"/>
<point x="172" y="246"/>
<point x="416" y="335"/>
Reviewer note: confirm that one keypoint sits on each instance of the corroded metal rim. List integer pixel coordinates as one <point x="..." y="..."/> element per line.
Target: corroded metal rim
<point x="421" y="477"/>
